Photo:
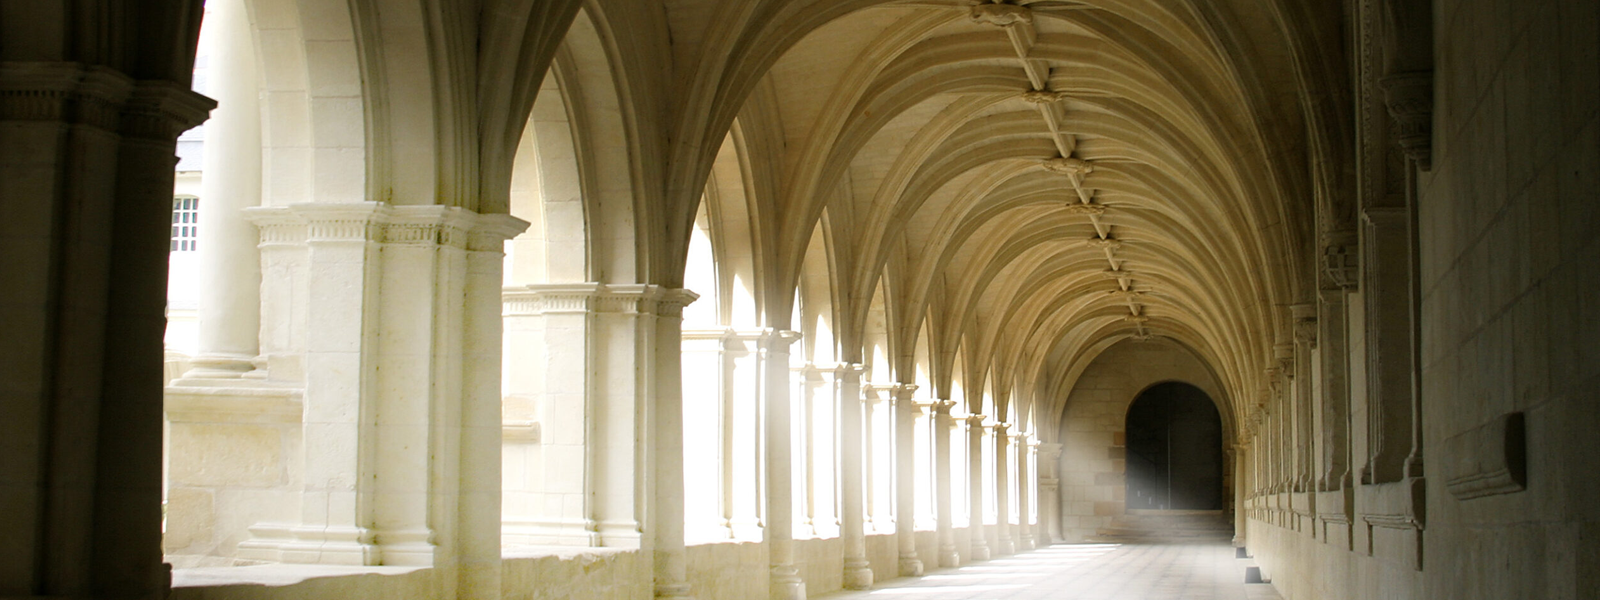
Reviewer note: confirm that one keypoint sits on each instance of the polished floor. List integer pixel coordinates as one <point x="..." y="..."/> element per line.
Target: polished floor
<point x="1087" y="572"/>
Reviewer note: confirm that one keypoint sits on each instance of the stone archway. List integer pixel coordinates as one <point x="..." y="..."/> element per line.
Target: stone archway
<point x="1174" y="450"/>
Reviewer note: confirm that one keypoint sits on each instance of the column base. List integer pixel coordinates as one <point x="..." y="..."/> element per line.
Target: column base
<point x="295" y="544"/>
<point x="787" y="584"/>
<point x="1027" y="543"/>
<point x="910" y="566"/>
<point x="857" y="574"/>
<point x="948" y="556"/>
<point x="980" y="552"/>
<point x="1007" y="547"/>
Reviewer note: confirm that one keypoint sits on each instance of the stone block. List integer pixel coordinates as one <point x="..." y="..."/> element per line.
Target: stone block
<point x="190" y="519"/>
<point x="225" y="455"/>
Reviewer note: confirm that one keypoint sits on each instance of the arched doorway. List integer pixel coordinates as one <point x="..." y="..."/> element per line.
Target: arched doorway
<point x="1174" y="450"/>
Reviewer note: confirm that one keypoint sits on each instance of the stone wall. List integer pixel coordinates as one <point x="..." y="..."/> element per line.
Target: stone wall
<point x="1509" y="219"/>
<point x="1092" y="463"/>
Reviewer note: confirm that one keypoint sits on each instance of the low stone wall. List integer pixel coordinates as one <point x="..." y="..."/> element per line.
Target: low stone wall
<point x="579" y="574"/>
<point x="728" y="571"/>
<point x="1305" y="568"/>
<point x="283" y="582"/>
<point x="721" y="571"/>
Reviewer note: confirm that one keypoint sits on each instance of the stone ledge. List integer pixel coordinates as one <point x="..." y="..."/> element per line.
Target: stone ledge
<point x="232" y="401"/>
<point x="275" y="575"/>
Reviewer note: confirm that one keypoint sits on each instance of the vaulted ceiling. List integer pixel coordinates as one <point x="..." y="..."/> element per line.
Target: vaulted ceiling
<point x="1029" y="182"/>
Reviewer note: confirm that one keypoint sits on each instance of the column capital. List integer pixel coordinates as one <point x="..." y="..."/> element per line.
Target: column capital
<point x="1341" y="259"/>
<point x="377" y="222"/>
<point x="591" y="297"/>
<point x="778" y="340"/>
<point x="160" y="110"/>
<point x="1050" y="450"/>
<point x="879" y="392"/>
<point x="942" y="407"/>
<point x="1000" y="429"/>
<point x="1409" y="97"/>
<point x="1385" y="216"/>
<point x="975" y="420"/>
<point x="1305" y="324"/>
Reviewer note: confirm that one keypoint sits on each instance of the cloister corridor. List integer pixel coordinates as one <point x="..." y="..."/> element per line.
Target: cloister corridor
<point x="1088" y="572"/>
<point x="799" y="299"/>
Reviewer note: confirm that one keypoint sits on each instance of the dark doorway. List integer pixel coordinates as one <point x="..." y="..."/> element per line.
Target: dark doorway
<point x="1174" y="437"/>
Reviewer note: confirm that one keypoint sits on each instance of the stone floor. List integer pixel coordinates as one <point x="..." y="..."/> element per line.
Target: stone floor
<point x="1088" y="572"/>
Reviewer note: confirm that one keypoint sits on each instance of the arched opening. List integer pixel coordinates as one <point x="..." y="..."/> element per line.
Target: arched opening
<point x="1174" y="450"/>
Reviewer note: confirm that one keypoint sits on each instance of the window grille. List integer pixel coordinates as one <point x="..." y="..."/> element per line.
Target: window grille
<point x="185" y="223"/>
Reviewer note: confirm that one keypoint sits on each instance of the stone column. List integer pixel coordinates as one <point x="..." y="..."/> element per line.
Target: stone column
<point x="1049" y="493"/>
<point x="1002" y="488"/>
<point x="230" y="267"/>
<point x="1027" y="449"/>
<point x="1335" y="391"/>
<point x="857" y="569"/>
<point x="1386" y="288"/>
<point x="665" y="426"/>
<point x="906" y="412"/>
<point x="948" y="557"/>
<point x="1243" y="450"/>
<point x="975" y="492"/>
<point x="786" y="583"/>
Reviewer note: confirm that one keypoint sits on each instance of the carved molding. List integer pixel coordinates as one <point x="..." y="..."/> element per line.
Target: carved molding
<point x="1067" y="166"/>
<point x="1043" y="96"/>
<point x="363" y="222"/>
<point x="1488" y="460"/>
<point x="1409" y="97"/>
<point x="1079" y="208"/>
<point x="1001" y="15"/>
<point x="1129" y="295"/>
<point x="1342" y="263"/>
<point x="595" y="298"/>
<point x="1105" y="243"/>
<point x="1116" y="274"/>
<point x="1305" y="324"/>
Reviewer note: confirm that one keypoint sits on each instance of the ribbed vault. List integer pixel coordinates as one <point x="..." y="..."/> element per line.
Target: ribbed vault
<point x="1028" y="182"/>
